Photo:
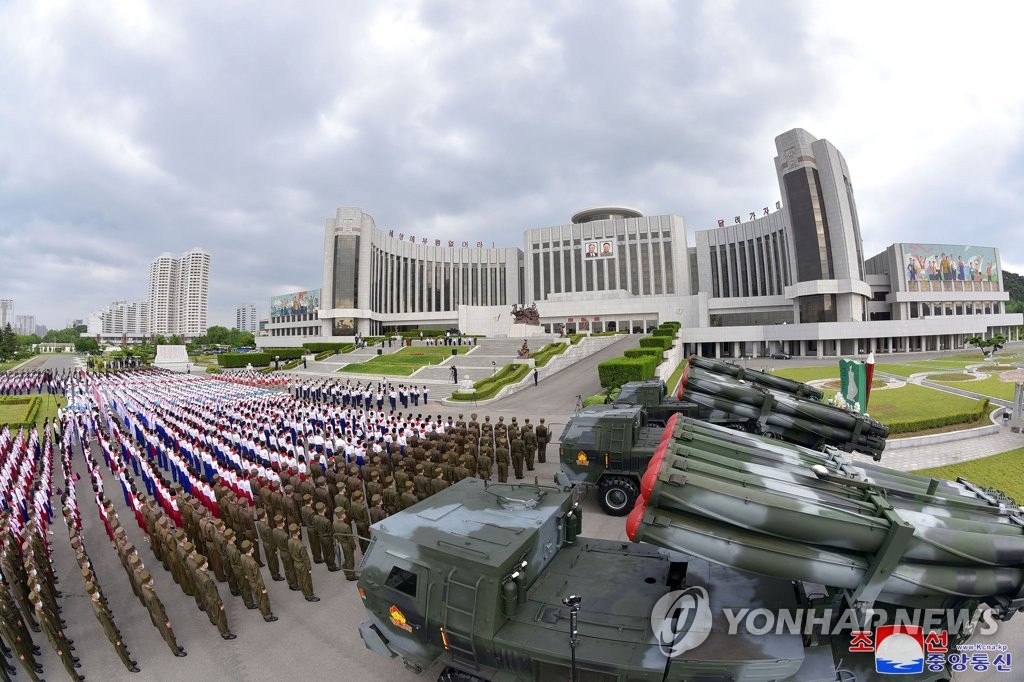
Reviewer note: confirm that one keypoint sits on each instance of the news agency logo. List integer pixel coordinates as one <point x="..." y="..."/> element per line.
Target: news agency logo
<point x="909" y="649"/>
<point x="681" y="620"/>
<point x="899" y="650"/>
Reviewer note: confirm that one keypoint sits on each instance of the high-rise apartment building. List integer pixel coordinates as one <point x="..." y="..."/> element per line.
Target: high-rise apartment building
<point x="25" y="324"/>
<point x="121" y="320"/>
<point x="179" y="293"/>
<point x="6" y="312"/>
<point x="245" y="318"/>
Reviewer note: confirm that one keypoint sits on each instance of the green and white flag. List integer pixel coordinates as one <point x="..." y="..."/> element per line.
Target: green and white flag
<point x="853" y="382"/>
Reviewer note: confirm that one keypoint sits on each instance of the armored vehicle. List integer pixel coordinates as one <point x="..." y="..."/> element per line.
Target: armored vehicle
<point x="495" y="582"/>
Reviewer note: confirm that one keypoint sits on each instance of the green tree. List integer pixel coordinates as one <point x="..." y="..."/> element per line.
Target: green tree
<point x="86" y="344"/>
<point x="68" y="335"/>
<point x="160" y="340"/>
<point x="988" y="346"/>
<point x="176" y="340"/>
<point x="8" y="342"/>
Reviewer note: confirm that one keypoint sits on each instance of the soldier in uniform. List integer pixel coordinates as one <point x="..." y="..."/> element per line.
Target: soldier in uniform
<point x="58" y="640"/>
<point x="308" y="513"/>
<point x="484" y="465"/>
<point x="322" y="535"/>
<point x="267" y="536"/>
<point x="303" y="566"/>
<point x="223" y="538"/>
<point x="281" y="543"/>
<point x="390" y="495"/>
<point x="346" y="546"/>
<point x="438" y="483"/>
<point x="377" y="513"/>
<point x="518" y="455"/>
<point x="15" y="632"/>
<point x="501" y="455"/>
<point x="421" y="482"/>
<point x="233" y="562"/>
<point x="252" y="575"/>
<point x="530" y="441"/>
<point x="106" y="620"/>
<point x="158" y="615"/>
<point x="211" y="598"/>
<point x="543" y="437"/>
<point x="361" y="517"/>
<point x="341" y="499"/>
<point x="408" y="498"/>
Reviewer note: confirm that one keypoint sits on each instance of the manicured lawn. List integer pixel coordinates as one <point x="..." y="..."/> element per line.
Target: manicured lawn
<point x="805" y="374"/>
<point x="405" y="361"/>
<point x="13" y="413"/>
<point x="1004" y="472"/>
<point x="991" y="387"/>
<point x="913" y="402"/>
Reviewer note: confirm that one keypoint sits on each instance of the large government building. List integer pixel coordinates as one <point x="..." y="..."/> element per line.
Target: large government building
<point x="791" y="279"/>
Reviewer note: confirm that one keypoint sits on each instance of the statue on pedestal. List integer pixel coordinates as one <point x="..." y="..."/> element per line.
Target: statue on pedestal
<point x="524" y="315"/>
<point x="524" y="352"/>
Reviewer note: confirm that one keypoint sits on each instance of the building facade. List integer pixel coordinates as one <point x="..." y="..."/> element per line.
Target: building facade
<point x="121" y="322"/>
<point x="295" y="315"/>
<point x="6" y="312"/>
<point x="25" y="324"/>
<point x="245" y="318"/>
<point x="179" y="294"/>
<point x="791" y="279"/>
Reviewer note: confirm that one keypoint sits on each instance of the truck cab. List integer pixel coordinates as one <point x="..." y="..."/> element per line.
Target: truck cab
<point x="609" y="446"/>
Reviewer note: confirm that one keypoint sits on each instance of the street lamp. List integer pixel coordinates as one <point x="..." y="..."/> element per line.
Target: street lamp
<point x="494" y="367"/>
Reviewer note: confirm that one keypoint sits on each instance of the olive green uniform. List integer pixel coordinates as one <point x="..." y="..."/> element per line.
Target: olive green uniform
<point x="346" y="544"/>
<point x="303" y="566"/>
<point x="250" y="570"/>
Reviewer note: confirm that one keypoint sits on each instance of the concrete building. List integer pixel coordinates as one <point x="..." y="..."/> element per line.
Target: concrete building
<point x="25" y="324"/>
<point x="6" y="312"/>
<point x="179" y="294"/>
<point x="791" y="279"/>
<point x="245" y="318"/>
<point x="121" y="322"/>
<point x="41" y="330"/>
<point x="294" y="316"/>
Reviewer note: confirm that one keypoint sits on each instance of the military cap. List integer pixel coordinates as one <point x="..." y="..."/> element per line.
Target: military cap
<point x="357" y="495"/>
<point x="321" y="507"/>
<point x="179" y="534"/>
<point x="200" y="560"/>
<point x="129" y="547"/>
<point x="229" y="533"/>
<point x="189" y="547"/>
<point x="135" y="560"/>
<point x="33" y="597"/>
<point x="307" y="498"/>
<point x="409" y="485"/>
<point x="219" y="523"/>
<point x="246" y="545"/>
<point x="376" y="499"/>
<point x="419" y="466"/>
<point x="90" y="588"/>
<point x="501" y="419"/>
<point x="289" y="488"/>
<point x="86" y="571"/>
<point x="278" y="518"/>
<point x="438" y="471"/>
<point x="339" y="511"/>
<point x="293" y="528"/>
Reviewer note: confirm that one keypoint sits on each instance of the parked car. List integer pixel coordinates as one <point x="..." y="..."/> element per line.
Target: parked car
<point x="780" y="356"/>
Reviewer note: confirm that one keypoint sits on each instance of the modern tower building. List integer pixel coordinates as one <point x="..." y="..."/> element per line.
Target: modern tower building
<point x="245" y="318"/>
<point x="178" y="293"/>
<point x="121" y="321"/>
<point x="6" y="312"/>
<point x="25" y="324"/>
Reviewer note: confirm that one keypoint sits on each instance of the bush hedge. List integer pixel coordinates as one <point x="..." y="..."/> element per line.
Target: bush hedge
<point x="333" y="347"/>
<point x="284" y="353"/>
<point x="644" y="353"/>
<point x="575" y="338"/>
<point x="915" y="425"/>
<point x="235" y="360"/>
<point x="323" y="355"/>
<point x="489" y="387"/>
<point x="664" y="331"/>
<point x="663" y="342"/>
<point x="31" y="413"/>
<point x="213" y="370"/>
<point x="617" y="371"/>
<point x="415" y="333"/>
<point x="544" y="355"/>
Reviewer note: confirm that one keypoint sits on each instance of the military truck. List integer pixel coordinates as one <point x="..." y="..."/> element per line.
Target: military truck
<point x="495" y="582"/>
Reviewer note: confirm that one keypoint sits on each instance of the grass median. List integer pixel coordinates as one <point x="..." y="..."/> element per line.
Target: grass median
<point x="405" y="361"/>
<point x="1003" y="472"/>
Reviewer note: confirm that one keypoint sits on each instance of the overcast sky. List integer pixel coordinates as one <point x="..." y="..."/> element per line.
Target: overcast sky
<point x="132" y="128"/>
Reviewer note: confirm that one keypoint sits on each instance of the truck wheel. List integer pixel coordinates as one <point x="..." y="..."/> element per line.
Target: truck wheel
<point x="618" y="495"/>
<point x="454" y="675"/>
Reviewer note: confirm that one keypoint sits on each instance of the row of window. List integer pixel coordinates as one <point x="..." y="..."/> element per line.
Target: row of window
<point x="642" y="268"/>
<point x="632" y="236"/>
<point x="955" y="308"/>
<point x="296" y="331"/>
<point x="400" y="284"/>
<point x="756" y="267"/>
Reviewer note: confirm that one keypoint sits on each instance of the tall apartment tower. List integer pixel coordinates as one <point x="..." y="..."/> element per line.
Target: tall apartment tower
<point x="179" y="293"/>
<point x="6" y="312"/>
<point x="825" y="257"/>
<point x="245" y="318"/>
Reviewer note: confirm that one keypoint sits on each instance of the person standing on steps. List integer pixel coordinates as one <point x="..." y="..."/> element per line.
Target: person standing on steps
<point x="455" y="374"/>
<point x="534" y="376"/>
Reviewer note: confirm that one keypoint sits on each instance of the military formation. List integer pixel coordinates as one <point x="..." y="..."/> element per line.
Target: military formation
<point x="215" y="528"/>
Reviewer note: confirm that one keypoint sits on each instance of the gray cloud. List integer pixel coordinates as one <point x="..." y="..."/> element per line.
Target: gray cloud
<point x="134" y="129"/>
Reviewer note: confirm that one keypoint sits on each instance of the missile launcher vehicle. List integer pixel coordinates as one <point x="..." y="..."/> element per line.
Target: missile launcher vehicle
<point x="609" y="446"/>
<point x="495" y="581"/>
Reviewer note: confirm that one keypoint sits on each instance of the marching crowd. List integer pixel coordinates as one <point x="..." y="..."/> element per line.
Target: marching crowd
<point x="225" y="479"/>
